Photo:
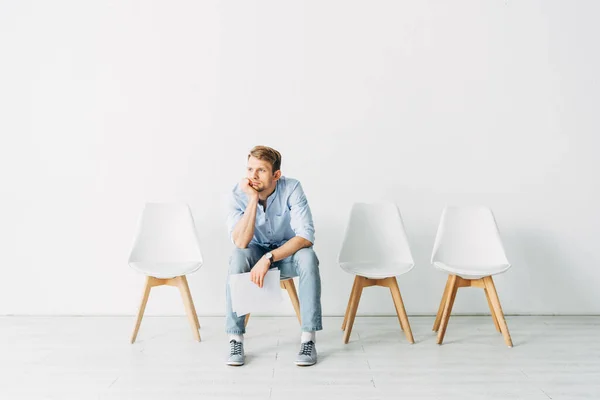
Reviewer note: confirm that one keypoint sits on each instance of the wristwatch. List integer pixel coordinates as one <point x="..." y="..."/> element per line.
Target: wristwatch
<point x="269" y="256"/>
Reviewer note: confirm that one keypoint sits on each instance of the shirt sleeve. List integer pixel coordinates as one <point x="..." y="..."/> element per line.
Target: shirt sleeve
<point x="235" y="212"/>
<point x="300" y="215"/>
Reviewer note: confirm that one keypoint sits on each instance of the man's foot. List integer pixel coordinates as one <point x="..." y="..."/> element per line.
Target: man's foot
<point x="236" y="353"/>
<point x="307" y="355"/>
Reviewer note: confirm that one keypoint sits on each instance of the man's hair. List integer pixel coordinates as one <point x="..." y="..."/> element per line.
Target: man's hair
<point x="267" y="154"/>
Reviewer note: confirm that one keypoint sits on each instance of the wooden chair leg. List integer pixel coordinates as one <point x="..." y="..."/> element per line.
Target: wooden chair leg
<point x="438" y="318"/>
<point x="492" y="312"/>
<point x="491" y="288"/>
<point x="449" y="302"/>
<point x="189" y="293"/>
<point x="357" y="292"/>
<point x="291" y="289"/>
<point x="348" y="306"/>
<point x="140" y="314"/>
<point x="400" y="310"/>
<point x="190" y="310"/>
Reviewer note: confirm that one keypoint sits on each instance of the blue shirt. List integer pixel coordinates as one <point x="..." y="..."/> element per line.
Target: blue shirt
<point x="287" y="214"/>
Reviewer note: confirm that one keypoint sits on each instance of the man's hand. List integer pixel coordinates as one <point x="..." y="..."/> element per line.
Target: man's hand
<point x="248" y="189"/>
<point x="258" y="272"/>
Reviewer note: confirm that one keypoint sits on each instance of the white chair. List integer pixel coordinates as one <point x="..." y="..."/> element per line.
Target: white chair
<point x="468" y="247"/>
<point x="375" y="250"/>
<point x="166" y="249"/>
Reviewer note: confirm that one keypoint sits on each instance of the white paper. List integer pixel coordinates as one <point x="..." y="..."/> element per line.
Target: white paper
<point x="247" y="297"/>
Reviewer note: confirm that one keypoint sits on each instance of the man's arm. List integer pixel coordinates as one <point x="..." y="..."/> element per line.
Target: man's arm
<point x="241" y="222"/>
<point x="290" y="247"/>
<point x="244" y="229"/>
<point x="258" y="272"/>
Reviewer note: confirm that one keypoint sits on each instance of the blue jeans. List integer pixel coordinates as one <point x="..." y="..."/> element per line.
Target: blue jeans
<point x="304" y="263"/>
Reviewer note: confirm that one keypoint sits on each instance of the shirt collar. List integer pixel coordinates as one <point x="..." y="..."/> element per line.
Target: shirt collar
<point x="273" y="195"/>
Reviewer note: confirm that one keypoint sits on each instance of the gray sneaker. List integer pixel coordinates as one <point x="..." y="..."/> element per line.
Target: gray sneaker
<point x="236" y="353"/>
<point x="307" y="355"/>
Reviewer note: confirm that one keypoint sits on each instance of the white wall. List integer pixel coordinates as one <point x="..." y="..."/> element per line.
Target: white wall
<point x="106" y="105"/>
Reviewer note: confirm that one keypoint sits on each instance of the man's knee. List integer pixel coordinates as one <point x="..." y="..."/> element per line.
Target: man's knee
<point x="240" y="261"/>
<point x="306" y="260"/>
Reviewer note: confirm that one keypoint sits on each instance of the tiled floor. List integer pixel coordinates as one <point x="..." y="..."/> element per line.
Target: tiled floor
<point x="91" y="358"/>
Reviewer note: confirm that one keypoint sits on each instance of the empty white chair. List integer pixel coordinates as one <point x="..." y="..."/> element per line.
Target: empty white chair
<point x="468" y="247"/>
<point x="166" y="249"/>
<point x="375" y="250"/>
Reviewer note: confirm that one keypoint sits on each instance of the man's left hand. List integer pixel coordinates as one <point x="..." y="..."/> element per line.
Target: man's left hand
<point x="258" y="272"/>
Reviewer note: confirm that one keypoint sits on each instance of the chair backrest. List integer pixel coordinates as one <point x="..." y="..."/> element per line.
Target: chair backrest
<point x="375" y="234"/>
<point x="166" y="233"/>
<point x="468" y="236"/>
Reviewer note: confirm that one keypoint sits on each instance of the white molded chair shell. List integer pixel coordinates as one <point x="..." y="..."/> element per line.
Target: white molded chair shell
<point x="375" y="244"/>
<point x="166" y="244"/>
<point x="468" y="243"/>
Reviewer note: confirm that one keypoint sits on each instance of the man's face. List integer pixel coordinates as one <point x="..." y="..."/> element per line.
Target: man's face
<point x="260" y="174"/>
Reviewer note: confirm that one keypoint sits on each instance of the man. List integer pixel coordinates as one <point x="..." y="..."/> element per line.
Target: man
<point x="271" y="225"/>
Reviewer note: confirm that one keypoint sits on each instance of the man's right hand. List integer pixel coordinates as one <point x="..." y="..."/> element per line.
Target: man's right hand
<point x="249" y="190"/>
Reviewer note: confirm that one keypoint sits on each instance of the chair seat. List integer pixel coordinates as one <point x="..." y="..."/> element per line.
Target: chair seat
<point x="165" y="270"/>
<point x="472" y="271"/>
<point x="376" y="270"/>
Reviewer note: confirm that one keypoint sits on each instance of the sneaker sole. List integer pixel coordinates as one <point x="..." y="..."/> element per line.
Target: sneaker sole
<point x="234" y="364"/>
<point x="305" y="364"/>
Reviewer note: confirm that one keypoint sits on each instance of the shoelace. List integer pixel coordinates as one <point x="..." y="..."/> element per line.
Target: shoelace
<point x="306" y="349"/>
<point x="236" y="348"/>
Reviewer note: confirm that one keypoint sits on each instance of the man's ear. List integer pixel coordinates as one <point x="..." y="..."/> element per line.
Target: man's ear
<point x="277" y="175"/>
